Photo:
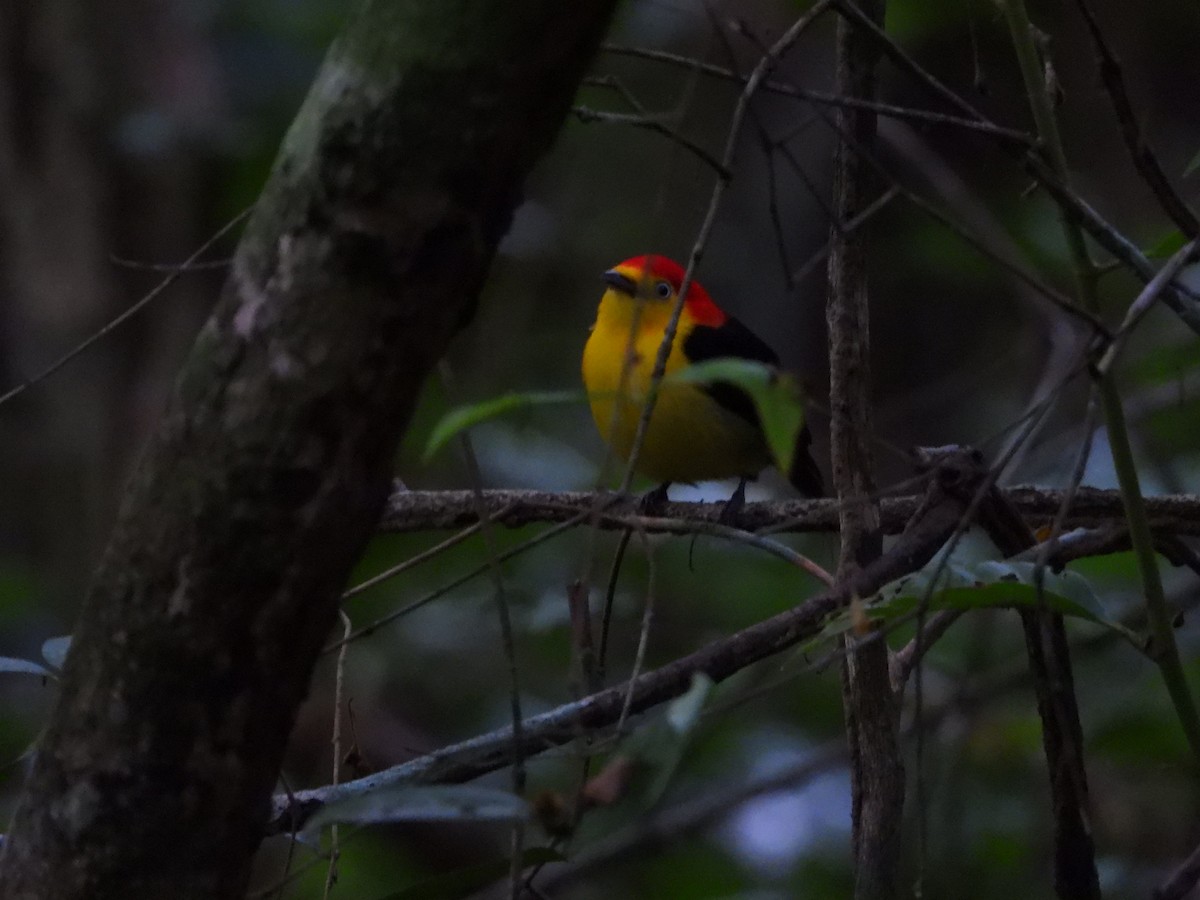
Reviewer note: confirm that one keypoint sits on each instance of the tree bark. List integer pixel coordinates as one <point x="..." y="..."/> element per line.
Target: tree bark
<point x="1075" y="874"/>
<point x="271" y="465"/>
<point x="871" y="711"/>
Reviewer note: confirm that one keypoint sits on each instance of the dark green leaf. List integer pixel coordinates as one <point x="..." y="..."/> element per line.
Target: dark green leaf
<point x="1192" y="166"/>
<point x="777" y="398"/>
<point x="992" y="584"/>
<point x="1167" y="245"/>
<point x="464" y="417"/>
<point x="661" y="746"/>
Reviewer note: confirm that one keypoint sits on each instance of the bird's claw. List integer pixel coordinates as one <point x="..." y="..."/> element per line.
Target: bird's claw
<point x="733" y="506"/>
<point x="652" y="502"/>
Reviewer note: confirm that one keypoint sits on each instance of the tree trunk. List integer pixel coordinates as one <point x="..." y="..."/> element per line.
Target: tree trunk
<point x="871" y="710"/>
<point x="269" y="470"/>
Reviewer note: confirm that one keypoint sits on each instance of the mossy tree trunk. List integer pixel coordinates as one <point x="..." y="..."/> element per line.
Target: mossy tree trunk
<point x="269" y="470"/>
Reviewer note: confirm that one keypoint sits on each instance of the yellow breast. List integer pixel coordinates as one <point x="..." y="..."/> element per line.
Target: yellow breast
<point x="690" y="437"/>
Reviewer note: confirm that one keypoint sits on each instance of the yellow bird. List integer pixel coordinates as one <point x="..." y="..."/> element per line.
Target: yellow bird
<point x="697" y="432"/>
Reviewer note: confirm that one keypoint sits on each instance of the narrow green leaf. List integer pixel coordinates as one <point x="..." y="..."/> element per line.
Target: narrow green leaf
<point x="661" y="746"/>
<point x="463" y="417"/>
<point x="1192" y="166"/>
<point x="684" y="711"/>
<point x="747" y="374"/>
<point x="1167" y="245"/>
<point x="992" y="584"/>
<point x="777" y="398"/>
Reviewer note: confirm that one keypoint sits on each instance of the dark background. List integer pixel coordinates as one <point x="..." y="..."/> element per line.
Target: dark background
<point x="133" y="132"/>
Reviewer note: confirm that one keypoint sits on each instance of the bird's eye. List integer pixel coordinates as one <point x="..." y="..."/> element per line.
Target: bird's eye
<point x="662" y="290"/>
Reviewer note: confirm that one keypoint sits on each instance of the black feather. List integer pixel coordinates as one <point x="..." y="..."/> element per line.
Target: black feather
<point x="733" y="339"/>
<point x="803" y="472"/>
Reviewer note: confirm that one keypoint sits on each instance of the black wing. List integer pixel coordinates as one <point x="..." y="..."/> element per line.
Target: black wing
<point x="731" y="339"/>
<point x="804" y="474"/>
<point x="736" y="340"/>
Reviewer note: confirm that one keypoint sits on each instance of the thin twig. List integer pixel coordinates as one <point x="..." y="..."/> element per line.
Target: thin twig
<point x="1050" y="546"/>
<point x="911" y="654"/>
<point x="507" y="639"/>
<point x="938" y="515"/>
<point x="610" y="596"/>
<point x="462" y="579"/>
<point x="424" y="556"/>
<point x="1157" y="610"/>
<point x="587" y="115"/>
<point x="177" y="268"/>
<point x="339" y="693"/>
<point x="928" y="117"/>
<point x="1059" y="299"/>
<point x="1182" y="881"/>
<point x="1140" y="152"/>
<point x="639" y="658"/>
<point x="1143" y="303"/>
<point x="847" y="228"/>
<point x="765" y="64"/>
<point x="128" y="313"/>
<point x="1046" y="175"/>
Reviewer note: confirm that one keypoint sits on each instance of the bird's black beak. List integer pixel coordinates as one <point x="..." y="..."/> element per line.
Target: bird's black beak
<point x="622" y="283"/>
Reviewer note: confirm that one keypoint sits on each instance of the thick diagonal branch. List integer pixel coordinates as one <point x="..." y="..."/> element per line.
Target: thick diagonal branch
<point x="269" y="472"/>
<point x="935" y="519"/>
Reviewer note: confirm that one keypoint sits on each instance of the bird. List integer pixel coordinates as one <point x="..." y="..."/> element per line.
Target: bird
<point x="697" y="432"/>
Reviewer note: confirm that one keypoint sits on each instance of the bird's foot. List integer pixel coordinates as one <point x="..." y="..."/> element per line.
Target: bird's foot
<point x="652" y="502"/>
<point x="733" y="506"/>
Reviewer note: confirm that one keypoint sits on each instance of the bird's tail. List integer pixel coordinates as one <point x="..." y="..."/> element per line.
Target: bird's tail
<point x="803" y="472"/>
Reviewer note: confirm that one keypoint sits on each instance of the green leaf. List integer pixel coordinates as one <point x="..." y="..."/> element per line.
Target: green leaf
<point x="1192" y="166"/>
<point x="463" y="417"/>
<point x="1167" y="245"/>
<point x="684" y="711"/>
<point x="661" y="746"/>
<point x="432" y="803"/>
<point x="991" y="584"/>
<point x="469" y="880"/>
<point x="777" y="398"/>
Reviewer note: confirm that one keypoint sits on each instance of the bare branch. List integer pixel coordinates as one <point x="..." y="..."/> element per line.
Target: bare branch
<point x="936" y="517"/>
<point x="414" y="511"/>
<point x="928" y="117"/>
<point x="1071" y="203"/>
<point x="658" y="125"/>
<point x="1062" y="735"/>
<point x="766" y="64"/>
<point x="1143" y="157"/>
<point x="173" y="275"/>
<point x="871" y="708"/>
<point x="1182" y="880"/>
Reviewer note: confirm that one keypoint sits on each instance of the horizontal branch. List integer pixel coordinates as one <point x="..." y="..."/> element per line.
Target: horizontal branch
<point x="936" y="516"/>
<point x="1011" y="136"/>
<point x="410" y="511"/>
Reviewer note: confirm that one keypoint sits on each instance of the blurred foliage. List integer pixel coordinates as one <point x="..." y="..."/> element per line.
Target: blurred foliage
<point x="959" y="348"/>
